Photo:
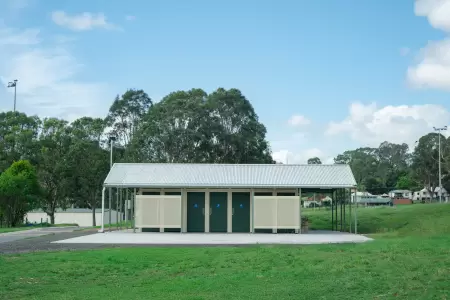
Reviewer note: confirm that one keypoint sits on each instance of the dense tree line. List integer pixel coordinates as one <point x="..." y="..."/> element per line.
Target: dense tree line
<point x="50" y="163"/>
<point x="394" y="166"/>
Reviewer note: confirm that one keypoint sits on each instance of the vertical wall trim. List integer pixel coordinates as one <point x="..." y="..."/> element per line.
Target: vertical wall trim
<point x="207" y="209"/>
<point x="161" y="209"/>
<point x="274" y="193"/>
<point x="133" y="211"/>
<point x="300" y="210"/>
<point x="230" y="210"/>
<point x="184" y="210"/>
<point x="252" y="208"/>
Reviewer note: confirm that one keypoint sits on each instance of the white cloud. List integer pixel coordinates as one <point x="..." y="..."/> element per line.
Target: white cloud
<point x="301" y="157"/>
<point x="433" y="70"/>
<point x="298" y="120"/>
<point x="82" y="22"/>
<point x="370" y="125"/>
<point x="433" y="67"/>
<point x="130" y="18"/>
<point x="46" y="78"/>
<point x="436" y="11"/>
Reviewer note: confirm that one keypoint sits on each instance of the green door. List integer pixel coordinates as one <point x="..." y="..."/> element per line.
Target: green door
<point x="241" y="212"/>
<point x="195" y="212"/>
<point x="218" y="210"/>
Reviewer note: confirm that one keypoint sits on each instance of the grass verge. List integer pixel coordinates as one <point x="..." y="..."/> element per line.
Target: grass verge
<point x="21" y="228"/>
<point x="13" y="229"/>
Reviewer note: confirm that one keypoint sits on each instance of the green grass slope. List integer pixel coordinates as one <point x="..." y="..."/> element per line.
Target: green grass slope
<point x="406" y="220"/>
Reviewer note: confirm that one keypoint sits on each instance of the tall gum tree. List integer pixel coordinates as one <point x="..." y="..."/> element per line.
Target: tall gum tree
<point x="191" y="126"/>
<point x="426" y="162"/>
<point x="88" y="162"/>
<point x="125" y="114"/>
<point x="53" y="169"/>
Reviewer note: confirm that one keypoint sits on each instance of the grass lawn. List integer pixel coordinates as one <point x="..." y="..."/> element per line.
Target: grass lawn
<point x="399" y="264"/>
<point x="403" y="220"/>
<point x="12" y="229"/>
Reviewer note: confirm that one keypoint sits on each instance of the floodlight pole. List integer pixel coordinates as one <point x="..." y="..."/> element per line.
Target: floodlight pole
<point x="14" y="85"/>
<point x="439" y="161"/>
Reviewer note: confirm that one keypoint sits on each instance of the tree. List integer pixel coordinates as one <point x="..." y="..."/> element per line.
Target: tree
<point x="174" y="130"/>
<point x="237" y="134"/>
<point x="407" y="182"/>
<point x="53" y="169"/>
<point x="363" y="162"/>
<point x="373" y="185"/>
<point x="91" y="129"/>
<point x="191" y="126"/>
<point x="394" y="161"/>
<point x="125" y="114"/>
<point x="314" y="161"/>
<point x="425" y="162"/>
<point x="18" y="138"/>
<point x="19" y="192"/>
<point x="88" y="162"/>
<point x="377" y="170"/>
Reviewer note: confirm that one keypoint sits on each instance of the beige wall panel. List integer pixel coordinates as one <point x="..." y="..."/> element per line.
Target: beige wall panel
<point x="288" y="214"/>
<point x="265" y="212"/>
<point x="170" y="212"/>
<point x="147" y="211"/>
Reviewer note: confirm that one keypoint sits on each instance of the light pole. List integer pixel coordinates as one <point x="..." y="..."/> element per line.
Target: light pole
<point x="111" y="143"/>
<point x="14" y="85"/>
<point x="440" y="173"/>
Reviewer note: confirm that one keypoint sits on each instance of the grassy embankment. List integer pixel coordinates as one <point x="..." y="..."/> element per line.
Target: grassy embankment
<point x="409" y="259"/>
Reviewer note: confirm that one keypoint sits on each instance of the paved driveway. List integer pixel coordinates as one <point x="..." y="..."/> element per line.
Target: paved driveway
<point x="25" y="234"/>
<point x="41" y="240"/>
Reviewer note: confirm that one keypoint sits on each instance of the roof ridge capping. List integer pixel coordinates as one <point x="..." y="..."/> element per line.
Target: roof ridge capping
<point x="228" y="164"/>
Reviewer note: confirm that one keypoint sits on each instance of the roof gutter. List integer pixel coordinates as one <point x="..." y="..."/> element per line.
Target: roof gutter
<point x="154" y="186"/>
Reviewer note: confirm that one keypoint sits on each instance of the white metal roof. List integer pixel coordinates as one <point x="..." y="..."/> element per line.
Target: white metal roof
<point x="166" y="175"/>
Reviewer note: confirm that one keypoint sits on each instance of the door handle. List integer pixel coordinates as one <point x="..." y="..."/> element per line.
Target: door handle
<point x="232" y="213"/>
<point x="203" y="211"/>
<point x="210" y="211"/>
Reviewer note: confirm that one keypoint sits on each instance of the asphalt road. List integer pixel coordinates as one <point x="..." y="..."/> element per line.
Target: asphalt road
<point x="41" y="239"/>
<point x="25" y="234"/>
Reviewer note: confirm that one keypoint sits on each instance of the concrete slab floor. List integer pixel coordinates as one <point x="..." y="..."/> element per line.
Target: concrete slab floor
<point x="156" y="238"/>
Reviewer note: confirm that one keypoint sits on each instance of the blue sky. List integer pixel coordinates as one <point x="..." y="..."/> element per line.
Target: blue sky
<point x="324" y="76"/>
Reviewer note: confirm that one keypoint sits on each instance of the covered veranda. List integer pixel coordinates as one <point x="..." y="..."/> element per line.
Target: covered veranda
<point x="220" y="198"/>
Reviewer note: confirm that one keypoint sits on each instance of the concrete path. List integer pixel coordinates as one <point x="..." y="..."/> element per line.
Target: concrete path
<point x="130" y="238"/>
<point x="35" y="232"/>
